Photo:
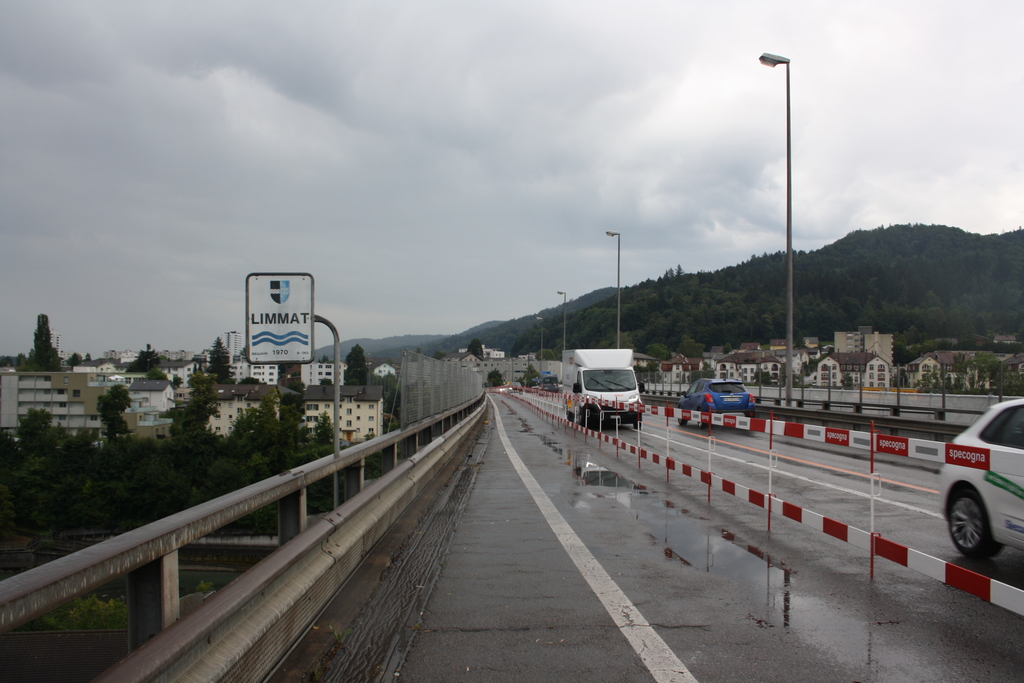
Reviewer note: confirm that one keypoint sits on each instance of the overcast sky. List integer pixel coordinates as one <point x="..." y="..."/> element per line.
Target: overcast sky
<point x="437" y="164"/>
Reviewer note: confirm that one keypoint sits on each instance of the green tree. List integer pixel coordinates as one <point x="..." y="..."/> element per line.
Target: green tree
<point x="659" y="351"/>
<point x="74" y="360"/>
<point x="323" y="431"/>
<point x="43" y="356"/>
<point x="202" y="404"/>
<point x="439" y="355"/>
<point x="495" y="378"/>
<point x="220" y="362"/>
<point x="248" y="380"/>
<point x="356" y="362"/>
<point x="82" y="614"/>
<point x="147" y="360"/>
<point x="6" y="512"/>
<point x="156" y="373"/>
<point x="476" y="348"/>
<point x="111" y="407"/>
<point x="298" y="398"/>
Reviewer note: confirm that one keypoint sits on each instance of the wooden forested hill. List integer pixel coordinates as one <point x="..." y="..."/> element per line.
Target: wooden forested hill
<point x="924" y="281"/>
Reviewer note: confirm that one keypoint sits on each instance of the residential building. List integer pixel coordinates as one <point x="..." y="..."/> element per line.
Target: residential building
<point x="488" y="353"/>
<point x="680" y="368"/>
<point x="234" y="342"/>
<point x="182" y="369"/>
<point x="359" y="413"/>
<point x="512" y="369"/>
<point x="125" y="356"/>
<point x="383" y="368"/>
<point x="233" y="400"/>
<point x="157" y="394"/>
<point x="312" y="373"/>
<point x="863" y="369"/>
<point x="744" y="366"/>
<point x="865" y="341"/>
<point x="241" y="369"/>
<point x="70" y="398"/>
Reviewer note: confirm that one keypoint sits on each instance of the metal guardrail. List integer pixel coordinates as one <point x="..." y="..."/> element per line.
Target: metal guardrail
<point x="148" y="555"/>
<point x="858" y="415"/>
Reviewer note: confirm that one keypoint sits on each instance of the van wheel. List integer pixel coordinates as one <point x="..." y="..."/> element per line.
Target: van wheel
<point x="968" y="525"/>
<point x="593" y="420"/>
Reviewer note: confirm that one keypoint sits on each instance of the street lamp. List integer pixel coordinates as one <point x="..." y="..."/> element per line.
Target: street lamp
<point x="540" y="358"/>
<point x="564" y="299"/>
<point x="618" y="289"/>
<point x="773" y="61"/>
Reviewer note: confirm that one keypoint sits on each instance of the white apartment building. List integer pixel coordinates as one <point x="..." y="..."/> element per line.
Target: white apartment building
<point x="312" y="373"/>
<point x="865" y="341"/>
<point x="234" y="342"/>
<point x="864" y="369"/>
<point x="242" y="369"/>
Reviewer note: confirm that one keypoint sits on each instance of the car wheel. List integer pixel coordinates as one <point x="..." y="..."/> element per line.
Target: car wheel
<point x="594" y="420"/>
<point x="968" y="525"/>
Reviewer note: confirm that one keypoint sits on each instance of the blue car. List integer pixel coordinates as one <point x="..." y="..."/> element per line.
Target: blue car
<point x="718" y="396"/>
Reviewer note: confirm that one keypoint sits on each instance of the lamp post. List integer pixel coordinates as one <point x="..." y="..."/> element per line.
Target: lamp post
<point x="564" y="299"/>
<point x="540" y="358"/>
<point x="618" y="289"/>
<point x="773" y="61"/>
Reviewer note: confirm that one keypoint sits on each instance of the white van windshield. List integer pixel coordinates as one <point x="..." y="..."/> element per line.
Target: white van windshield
<point x="609" y="380"/>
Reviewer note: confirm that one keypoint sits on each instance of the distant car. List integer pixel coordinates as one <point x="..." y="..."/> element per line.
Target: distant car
<point x="718" y="396"/>
<point x="516" y="387"/>
<point x="984" y="508"/>
<point x="549" y="383"/>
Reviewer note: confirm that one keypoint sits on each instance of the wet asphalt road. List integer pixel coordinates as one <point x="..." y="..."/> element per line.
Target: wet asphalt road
<point x="725" y="598"/>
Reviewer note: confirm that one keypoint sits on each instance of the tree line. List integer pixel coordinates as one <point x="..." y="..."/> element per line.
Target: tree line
<point x="917" y="282"/>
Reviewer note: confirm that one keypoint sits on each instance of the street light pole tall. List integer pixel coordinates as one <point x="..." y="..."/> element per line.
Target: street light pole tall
<point x="564" y="299"/>
<point x="540" y="358"/>
<point x="773" y="61"/>
<point x="618" y="288"/>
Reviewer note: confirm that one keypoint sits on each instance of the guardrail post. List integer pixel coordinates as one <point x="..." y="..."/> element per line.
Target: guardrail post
<point x="387" y="458"/>
<point x="291" y="516"/>
<point x="353" y="479"/>
<point x="152" y="599"/>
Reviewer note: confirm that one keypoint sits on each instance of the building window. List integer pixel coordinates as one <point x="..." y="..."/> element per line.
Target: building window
<point x="76" y="393"/>
<point x="348" y="423"/>
<point x="348" y="411"/>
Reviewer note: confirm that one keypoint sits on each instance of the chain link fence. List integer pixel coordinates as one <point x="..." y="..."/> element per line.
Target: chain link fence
<point x="431" y="387"/>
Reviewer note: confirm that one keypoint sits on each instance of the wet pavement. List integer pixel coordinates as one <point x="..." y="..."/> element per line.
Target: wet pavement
<point x="490" y="592"/>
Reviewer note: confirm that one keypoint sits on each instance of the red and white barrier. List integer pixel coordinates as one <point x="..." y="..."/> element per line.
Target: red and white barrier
<point x="981" y="586"/>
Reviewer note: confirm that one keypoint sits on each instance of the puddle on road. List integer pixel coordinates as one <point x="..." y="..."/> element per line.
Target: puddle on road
<point x="689" y="538"/>
<point x="553" y="444"/>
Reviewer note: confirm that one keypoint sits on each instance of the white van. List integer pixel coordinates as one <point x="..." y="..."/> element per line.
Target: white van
<point x="597" y="375"/>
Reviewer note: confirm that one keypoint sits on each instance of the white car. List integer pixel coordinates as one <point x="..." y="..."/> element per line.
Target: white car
<point x="983" y="496"/>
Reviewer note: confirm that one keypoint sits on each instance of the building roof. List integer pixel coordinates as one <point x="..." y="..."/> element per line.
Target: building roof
<point x="150" y="385"/>
<point x="749" y="346"/>
<point x="357" y="392"/>
<point x="859" y="358"/>
<point x="245" y="392"/>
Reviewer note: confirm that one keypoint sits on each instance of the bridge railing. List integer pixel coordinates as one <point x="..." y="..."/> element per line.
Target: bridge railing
<point x="149" y="555"/>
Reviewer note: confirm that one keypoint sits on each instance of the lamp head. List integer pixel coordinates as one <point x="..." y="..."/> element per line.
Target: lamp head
<point x="611" y="233"/>
<point x="769" y="59"/>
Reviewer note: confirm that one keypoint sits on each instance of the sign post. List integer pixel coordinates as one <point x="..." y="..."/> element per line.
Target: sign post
<point x="279" y="318"/>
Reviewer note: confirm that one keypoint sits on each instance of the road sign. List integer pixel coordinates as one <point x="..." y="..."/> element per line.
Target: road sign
<point x="279" y="318"/>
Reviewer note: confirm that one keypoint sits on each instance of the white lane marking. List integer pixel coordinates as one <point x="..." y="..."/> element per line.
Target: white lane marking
<point x="653" y="651"/>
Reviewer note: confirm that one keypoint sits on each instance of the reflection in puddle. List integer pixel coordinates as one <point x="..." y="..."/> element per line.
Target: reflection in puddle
<point x="554" y="445"/>
<point x="697" y="544"/>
